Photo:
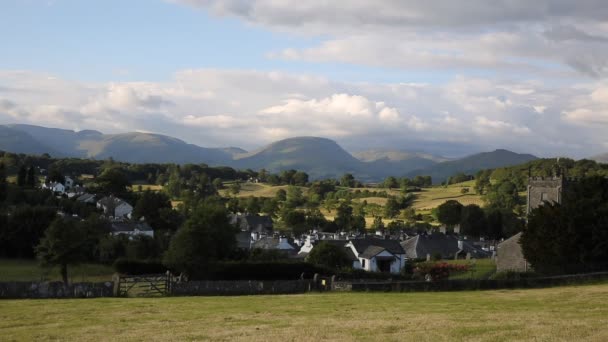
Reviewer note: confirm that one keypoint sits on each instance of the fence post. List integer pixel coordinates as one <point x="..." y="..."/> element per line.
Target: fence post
<point x="116" y="280"/>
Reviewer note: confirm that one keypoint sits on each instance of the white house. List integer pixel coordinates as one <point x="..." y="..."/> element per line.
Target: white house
<point x="378" y="255"/>
<point x="68" y="183"/>
<point x="54" y="187"/>
<point x="115" y="207"/>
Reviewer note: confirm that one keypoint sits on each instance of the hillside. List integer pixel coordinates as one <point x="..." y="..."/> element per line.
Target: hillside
<point x="128" y="147"/>
<point x="21" y="142"/>
<point x="319" y="157"/>
<point x="474" y="163"/>
<point x="395" y="156"/>
<point x="602" y="158"/>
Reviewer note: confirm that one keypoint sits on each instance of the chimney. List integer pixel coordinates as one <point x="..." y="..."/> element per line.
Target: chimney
<point x="460" y="244"/>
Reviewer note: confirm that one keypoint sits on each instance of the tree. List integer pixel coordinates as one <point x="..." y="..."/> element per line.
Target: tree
<point x="570" y="237"/>
<point x="253" y="205"/>
<point x="294" y="196"/>
<point x="473" y="221"/>
<point x="482" y="181"/>
<point x="31" y="177"/>
<point x="24" y="229"/>
<point x="329" y="255"/>
<point x="235" y="188"/>
<point x="63" y="244"/>
<point x="347" y="180"/>
<point x="391" y="182"/>
<point x="218" y="184"/>
<point x="503" y="195"/>
<point x="378" y="224"/>
<point x="113" y="180"/>
<point x="281" y="195"/>
<point x="344" y="217"/>
<point x="391" y="208"/>
<point x="3" y="183"/>
<point x="300" y="178"/>
<point x="21" y="176"/>
<point x="205" y="237"/>
<point x="449" y="213"/>
<point x="149" y="206"/>
<point x="294" y="220"/>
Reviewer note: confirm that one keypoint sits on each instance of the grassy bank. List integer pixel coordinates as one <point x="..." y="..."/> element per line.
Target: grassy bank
<point x="565" y="313"/>
<point x="30" y="270"/>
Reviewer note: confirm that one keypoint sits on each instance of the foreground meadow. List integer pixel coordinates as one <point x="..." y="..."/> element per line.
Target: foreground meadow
<point x="567" y="313"/>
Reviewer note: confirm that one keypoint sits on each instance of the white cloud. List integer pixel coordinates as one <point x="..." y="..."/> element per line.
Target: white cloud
<point x="550" y="37"/>
<point x="212" y="107"/>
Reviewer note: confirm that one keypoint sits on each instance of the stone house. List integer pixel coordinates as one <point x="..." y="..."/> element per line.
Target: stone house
<point x="115" y="207"/>
<point x="426" y="246"/>
<point x="509" y="256"/>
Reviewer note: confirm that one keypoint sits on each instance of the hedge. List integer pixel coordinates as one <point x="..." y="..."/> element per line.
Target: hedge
<point x="138" y="267"/>
<point x="247" y="270"/>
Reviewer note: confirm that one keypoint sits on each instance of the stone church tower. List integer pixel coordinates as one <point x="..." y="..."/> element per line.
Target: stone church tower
<point x="544" y="189"/>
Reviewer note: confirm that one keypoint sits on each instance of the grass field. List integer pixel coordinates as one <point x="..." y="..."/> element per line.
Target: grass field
<point x="433" y="197"/>
<point x="257" y="190"/>
<point x="556" y="314"/>
<point x="29" y="270"/>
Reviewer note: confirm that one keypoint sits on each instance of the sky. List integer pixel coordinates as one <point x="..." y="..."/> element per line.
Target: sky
<point x="444" y="77"/>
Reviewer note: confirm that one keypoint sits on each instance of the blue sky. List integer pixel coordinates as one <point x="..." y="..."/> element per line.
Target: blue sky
<point x="114" y="40"/>
<point x="414" y="75"/>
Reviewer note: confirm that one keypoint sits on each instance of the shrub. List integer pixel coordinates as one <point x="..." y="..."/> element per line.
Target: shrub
<point x="438" y="271"/>
<point x="138" y="267"/>
<point x="250" y="270"/>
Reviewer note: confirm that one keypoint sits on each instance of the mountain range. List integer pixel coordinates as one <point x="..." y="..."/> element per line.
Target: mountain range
<point x="319" y="157"/>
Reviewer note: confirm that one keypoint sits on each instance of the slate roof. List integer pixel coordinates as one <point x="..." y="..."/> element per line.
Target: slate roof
<point x="271" y="242"/>
<point x="420" y="246"/>
<point x="85" y="197"/>
<point x="372" y="251"/>
<point x="392" y="246"/>
<point x="118" y="227"/>
<point x="254" y="223"/>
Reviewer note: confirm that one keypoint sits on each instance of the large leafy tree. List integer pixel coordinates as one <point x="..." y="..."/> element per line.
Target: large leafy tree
<point x="449" y="213"/>
<point x="113" y="180"/>
<point x="3" y="183"/>
<point x="63" y="244"/>
<point x="473" y="221"/>
<point x="23" y="230"/>
<point x="150" y="205"/>
<point x="573" y="236"/>
<point x="205" y="237"/>
<point x="329" y="255"/>
<point x="503" y="195"/>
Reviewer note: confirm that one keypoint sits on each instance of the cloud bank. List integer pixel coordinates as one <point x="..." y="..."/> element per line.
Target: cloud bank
<point x="214" y="107"/>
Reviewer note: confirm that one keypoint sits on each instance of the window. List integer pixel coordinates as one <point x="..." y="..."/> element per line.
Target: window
<point x="544" y="197"/>
<point x="362" y="263"/>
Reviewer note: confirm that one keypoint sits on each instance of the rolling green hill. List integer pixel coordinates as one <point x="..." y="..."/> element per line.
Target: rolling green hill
<point x="319" y="157"/>
<point x="474" y="163"/>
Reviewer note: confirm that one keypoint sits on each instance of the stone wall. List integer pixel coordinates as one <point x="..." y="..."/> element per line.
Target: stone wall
<point x="468" y="285"/>
<point x="243" y="287"/>
<point x="20" y="289"/>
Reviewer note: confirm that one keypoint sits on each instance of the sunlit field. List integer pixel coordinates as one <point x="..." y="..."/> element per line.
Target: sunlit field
<point x="556" y="314"/>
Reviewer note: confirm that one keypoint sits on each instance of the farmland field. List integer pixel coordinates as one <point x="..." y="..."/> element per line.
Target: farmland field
<point x="556" y="314"/>
<point x="29" y="270"/>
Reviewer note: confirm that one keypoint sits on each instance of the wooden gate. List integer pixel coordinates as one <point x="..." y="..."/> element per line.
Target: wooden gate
<point x="147" y="285"/>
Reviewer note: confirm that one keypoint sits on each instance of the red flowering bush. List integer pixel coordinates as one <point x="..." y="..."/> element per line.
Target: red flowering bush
<point x="438" y="270"/>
